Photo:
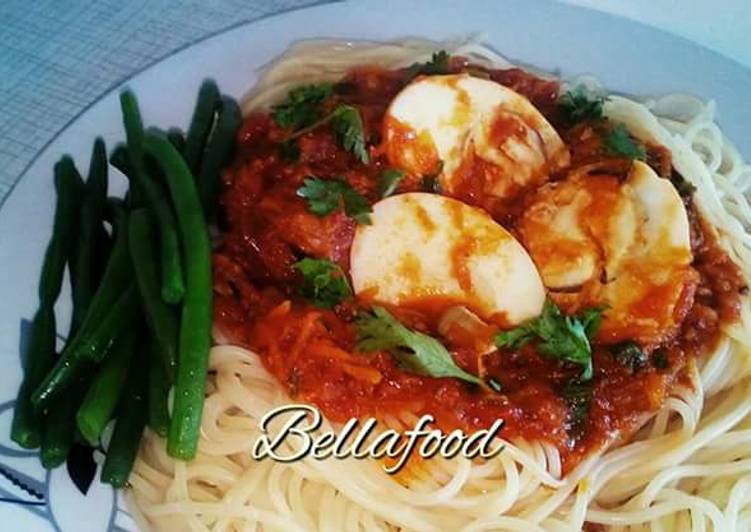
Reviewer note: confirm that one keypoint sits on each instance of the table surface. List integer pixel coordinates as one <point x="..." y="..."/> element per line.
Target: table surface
<point x="59" y="56"/>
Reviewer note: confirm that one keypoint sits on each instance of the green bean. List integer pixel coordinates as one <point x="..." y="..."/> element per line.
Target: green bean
<point x="218" y="151"/>
<point x="85" y="268"/>
<point x="133" y="124"/>
<point x="92" y="213"/>
<point x="26" y="428"/>
<point x="195" y="329"/>
<point x="158" y="391"/>
<point x="131" y="420"/>
<point x="103" y="246"/>
<point x="201" y="124"/>
<point x="95" y="345"/>
<point x="173" y="286"/>
<point x="60" y="424"/>
<point x="69" y="186"/>
<point x="105" y="390"/>
<point x="115" y="210"/>
<point x="90" y="346"/>
<point x="120" y="159"/>
<point x="160" y="317"/>
<point x="176" y="138"/>
<point x="116" y="279"/>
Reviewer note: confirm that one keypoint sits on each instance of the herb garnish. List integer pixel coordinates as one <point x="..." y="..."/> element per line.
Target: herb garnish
<point x="324" y="196"/>
<point x="388" y="182"/>
<point x="347" y="125"/>
<point x="558" y="336"/>
<point x="630" y="355"/>
<point x="438" y="64"/>
<point x="618" y="142"/>
<point x="578" y="397"/>
<point x="684" y="187"/>
<point x="421" y="353"/>
<point x="581" y="104"/>
<point x="324" y="283"/>
<point x="660" y="359"/>
<point x="302" y="106"/>
<point x="289" y="150"/>
<point x="302" y="112"/>
<point x="430" y="183"/>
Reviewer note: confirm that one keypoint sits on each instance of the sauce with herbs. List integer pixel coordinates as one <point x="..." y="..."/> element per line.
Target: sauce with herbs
<point x="267" y="228"/>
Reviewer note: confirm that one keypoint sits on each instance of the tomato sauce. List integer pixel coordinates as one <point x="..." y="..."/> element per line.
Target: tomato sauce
<point x="267" y="227"/>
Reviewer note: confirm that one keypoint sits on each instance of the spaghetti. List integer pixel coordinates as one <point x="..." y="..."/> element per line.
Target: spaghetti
<point x="687" y="468"/>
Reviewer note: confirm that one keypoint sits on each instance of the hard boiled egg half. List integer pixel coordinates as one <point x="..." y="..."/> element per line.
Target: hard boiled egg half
<point x="461" y="127"/>
<point x="426" y="249"/>
<point x="600" y="240"/>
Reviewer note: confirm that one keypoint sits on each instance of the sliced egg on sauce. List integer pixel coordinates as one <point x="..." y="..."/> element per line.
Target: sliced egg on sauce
<point x="626" y="244"/>
<point x="462" y="127"/>
<point x="425" y="248"/>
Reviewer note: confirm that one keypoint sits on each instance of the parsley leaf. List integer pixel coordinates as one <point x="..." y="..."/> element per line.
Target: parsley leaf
<point x="323" y="197"/>
<point x="388" y="181"/>
<point x="430" y="183"/>
<point x="302" y="106"/>
<point x="423" y="354"/>
<point x="591" y="319"/>
<point x="347" y="125"/>
<point x="630" y="355"/>
<point x="324" y="283"/>
<point x="438" y="64"/>
<point x="660" y="359"/>
<point x="619" y="142"/>
<point x="684" y="187"/>
<point x="356" y="206"/>
<point x="557" y="336"/>
<point x="289" y="151"/>
<point x="578" y="397"/>
<point x="581" y="104"/>
<point x="344" y="120"/>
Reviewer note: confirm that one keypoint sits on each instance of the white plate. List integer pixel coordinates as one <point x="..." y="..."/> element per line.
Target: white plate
<point x="626" y="56"/>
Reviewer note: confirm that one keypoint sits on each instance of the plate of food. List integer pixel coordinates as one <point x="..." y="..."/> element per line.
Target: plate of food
<point x="338" y="269"/>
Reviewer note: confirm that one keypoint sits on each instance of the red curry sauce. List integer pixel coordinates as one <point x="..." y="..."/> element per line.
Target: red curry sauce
<point x="267" y="228"/>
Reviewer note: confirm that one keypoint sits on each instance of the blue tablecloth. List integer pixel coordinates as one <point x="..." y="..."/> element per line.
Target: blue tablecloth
<point x="58" y="56"/>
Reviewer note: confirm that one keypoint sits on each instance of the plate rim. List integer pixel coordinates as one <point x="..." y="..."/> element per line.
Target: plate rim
<point x="326" y="4"/>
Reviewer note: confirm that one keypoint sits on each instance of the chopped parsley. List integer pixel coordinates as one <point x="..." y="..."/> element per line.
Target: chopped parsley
<point x="302" y="111"/>
<point x="324" y="283"/>
<point x="438" y="64"/>
<point x="419" y="352"/>
<point x="347" y="125"/>
<point x="578" y="398"/>
<point x="430" y="183"/>
<point x="324" y="197"/>
<point x="388" y="182"/>
<point x="302" y="106"/>
<point x="629" y="355"/>
<point x="684" y="187"/>
<point x="619" y="142"/>
<point x="660" y="359"/>
<point x="558" y="336"/>
<point x="289" y="150"/>
<point x="581" y="104"/>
